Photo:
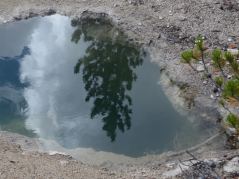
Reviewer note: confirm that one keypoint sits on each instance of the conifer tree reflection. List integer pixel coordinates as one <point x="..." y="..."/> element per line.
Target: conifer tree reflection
<point x="108" y="74"/>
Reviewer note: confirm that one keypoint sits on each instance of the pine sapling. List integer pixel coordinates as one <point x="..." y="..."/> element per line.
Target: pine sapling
<point x="187" y="57"/>
<point x="218" y="60"/>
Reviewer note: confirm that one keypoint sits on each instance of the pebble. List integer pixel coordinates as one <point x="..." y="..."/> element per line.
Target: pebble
<point x="233" y="51"/>
<point x="63" y="162"/>
<point x="232" y="166"/>
<point x="231" y="131"/>
<point x="200" y="68"/>
<point x="230" y="39"/>
<point x="204" y="82"/>
<point x="229" y="76"/>
<point x="160" y="17"/>
<point x="170" y="13"/>
<point x="212" y="97"/>
<point x="182" y="18"/>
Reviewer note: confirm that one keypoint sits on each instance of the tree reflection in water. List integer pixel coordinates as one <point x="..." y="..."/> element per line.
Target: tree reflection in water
<point x="108" y="70"/>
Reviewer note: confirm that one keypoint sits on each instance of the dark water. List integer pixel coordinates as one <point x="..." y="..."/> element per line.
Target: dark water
<point x="84" y="85"/>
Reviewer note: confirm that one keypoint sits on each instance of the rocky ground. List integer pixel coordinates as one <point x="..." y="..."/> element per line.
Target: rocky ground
<point x="164" y="28"/>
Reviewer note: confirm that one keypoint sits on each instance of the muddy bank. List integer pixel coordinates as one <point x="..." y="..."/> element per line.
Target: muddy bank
<point x="164" y="28"/>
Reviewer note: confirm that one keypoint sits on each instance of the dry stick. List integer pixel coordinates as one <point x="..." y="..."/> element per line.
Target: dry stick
<point x="194" y="164"/>
<point x="181" y="169"/>
<point x="189" y="153"/>
<point x="203" y="61"/>
<point x="223" y="74"/>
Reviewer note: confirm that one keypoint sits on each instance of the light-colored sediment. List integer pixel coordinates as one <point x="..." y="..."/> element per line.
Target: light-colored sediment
<point x="164" y="28"/>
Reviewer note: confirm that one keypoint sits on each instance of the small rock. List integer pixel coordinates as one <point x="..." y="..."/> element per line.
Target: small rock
<point x="216" y="30"/>
<point x="139" y="23"/>
<point x="212" y="164"/>
<point x="204" y="82"/>
<point x="233" y="51"/>
<point x="182" y="18"/>
<point x="232" y="46"/>
<point x="200" y="68"/>
<point x="232" y="165"/>
<point x="229" y="39"/>
<point x="229" y="76"/>
<point x="231" y="131"/>
<point x="63" y="162"/>
<point x="50" y="12"/>
<point x="160" y="17"/>
<point x="212" y="97"/>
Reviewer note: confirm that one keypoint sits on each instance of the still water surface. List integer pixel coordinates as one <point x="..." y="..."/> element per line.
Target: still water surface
<point x="84" y="85"/>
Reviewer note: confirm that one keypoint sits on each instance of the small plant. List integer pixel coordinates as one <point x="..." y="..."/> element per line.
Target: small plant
<point x="235" y="68"/>
<point x="229" y="57"/>
<point x="233" y="63"/>
<point x="218" y="60"/>
<point x="233" y="120"/>
<point x="199" y="45"/>
<point x="231" y="89"/>
<point x="187" y="57"/>
<point x="197" y="54"/>
<point x="219" y="81"/>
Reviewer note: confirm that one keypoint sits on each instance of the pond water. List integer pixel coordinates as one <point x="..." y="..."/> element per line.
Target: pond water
<point x="84" y="85"/>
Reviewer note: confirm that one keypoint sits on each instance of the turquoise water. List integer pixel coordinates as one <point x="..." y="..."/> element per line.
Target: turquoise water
<point x="85" y="85"/>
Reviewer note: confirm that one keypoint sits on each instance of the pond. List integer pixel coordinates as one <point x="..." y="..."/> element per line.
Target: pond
<point x="85" y="85"/>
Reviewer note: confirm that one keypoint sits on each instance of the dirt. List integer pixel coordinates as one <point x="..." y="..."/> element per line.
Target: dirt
<point x="162" y="27"/>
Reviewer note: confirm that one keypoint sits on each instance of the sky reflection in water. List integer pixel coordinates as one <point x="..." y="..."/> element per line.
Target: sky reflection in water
<point x="75" y="73"/>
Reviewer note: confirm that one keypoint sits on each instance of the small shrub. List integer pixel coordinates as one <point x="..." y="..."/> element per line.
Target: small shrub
<point x="233" y="120"/>
<point x="199" y="43"/>
<point x="231" y="89"/>
<point x="229" y="57"/>
<point x="218" y="60"/>
<point x="219" y="81"/>
<point x="187" y="57"/>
